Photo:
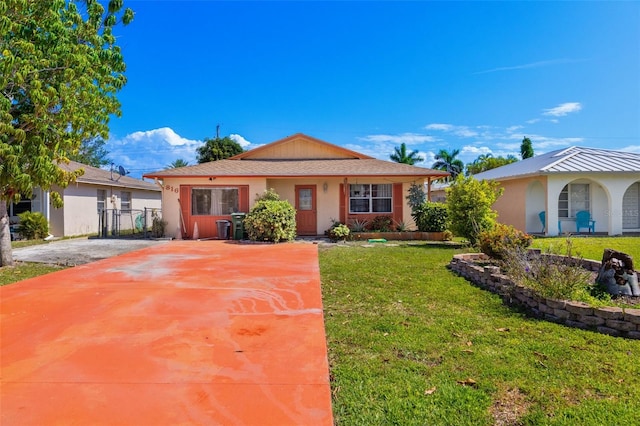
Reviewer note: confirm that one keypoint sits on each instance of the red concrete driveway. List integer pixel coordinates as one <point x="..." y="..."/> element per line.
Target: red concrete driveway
<point x="188" y="332"/>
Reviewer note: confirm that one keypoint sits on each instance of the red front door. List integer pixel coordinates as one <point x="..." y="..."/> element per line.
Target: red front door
<point x="306" y="212"/>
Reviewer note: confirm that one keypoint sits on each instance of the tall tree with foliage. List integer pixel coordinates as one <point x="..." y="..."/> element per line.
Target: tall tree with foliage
<point x="486" y="162"/>
<point x="60" y="70"/>
<point x="218" y="149"/>
<point x="178" y="163"/>
<point x="526" y="148"/>
<point x="469" y="202"/>
<point x="447" y="161"/>
<point x="92" y="152"/>
<point x="401" y="155"/>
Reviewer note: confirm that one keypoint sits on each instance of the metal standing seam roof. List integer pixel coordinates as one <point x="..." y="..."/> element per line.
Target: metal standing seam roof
<point x="568" y="160"/>
<point x="95" y="176"/>
<point x="298" y="168"/>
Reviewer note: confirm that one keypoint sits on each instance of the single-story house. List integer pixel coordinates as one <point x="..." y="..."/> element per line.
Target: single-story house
<point x="97" y="190"/>
<point x="324" y="182"/>
<point x="561" y="183"/>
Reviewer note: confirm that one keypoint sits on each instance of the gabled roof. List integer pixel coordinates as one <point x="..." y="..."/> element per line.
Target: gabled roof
<point x="568" y="160"/>
<point x="95" y="176"/>
<point x="274" y="150"/>
<point x="289" y="157"/>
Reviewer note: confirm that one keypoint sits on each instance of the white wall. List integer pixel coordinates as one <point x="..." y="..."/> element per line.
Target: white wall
<point x="80" y="210"/>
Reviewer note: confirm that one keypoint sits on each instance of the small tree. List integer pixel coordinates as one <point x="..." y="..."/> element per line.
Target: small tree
<point x="416" y="196"/>
<point x="469" y="203"/>
<point x="218" y="149"/>
<point x="526" y="148"/>
<point x="271" y="219"/>
<point x="92" y="153"/>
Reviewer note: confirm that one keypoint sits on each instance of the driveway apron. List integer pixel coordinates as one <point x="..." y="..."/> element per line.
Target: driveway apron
<point x="187" y="332"/>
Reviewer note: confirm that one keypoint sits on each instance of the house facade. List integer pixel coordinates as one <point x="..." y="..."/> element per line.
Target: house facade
<point x="88" y="200"/>
<point x="561" y="183"/>
<point x="324" y="182"/>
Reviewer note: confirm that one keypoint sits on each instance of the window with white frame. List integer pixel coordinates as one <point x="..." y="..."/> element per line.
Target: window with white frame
<point x="214" y="201"/>
<point x="102" y="200"/>
<point x="370" y="198"/>
<point x="574" y="197"/>
<point x="125" y="200"/>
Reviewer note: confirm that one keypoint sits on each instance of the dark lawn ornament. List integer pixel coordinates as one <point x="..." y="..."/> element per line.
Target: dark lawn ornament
<point x="617" y="274"/>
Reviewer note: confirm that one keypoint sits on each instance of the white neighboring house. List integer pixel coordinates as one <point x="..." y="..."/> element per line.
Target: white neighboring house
<point x="560" y="183"/>
<point x="95" y="191"/>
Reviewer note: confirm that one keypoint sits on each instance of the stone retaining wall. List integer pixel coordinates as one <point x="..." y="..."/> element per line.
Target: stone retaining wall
<point x="614" y="321"/>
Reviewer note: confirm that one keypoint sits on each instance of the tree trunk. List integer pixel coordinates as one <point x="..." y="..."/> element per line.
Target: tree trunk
<point x="6" y="256"/>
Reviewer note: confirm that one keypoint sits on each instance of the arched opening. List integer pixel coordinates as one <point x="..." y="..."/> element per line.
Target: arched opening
<point x="631" y="208"/>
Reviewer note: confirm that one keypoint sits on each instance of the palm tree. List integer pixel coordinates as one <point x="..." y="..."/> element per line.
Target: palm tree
<point x="178" y="163"/>
<point x="447" y="161"/>
<point x="400" y="155"/>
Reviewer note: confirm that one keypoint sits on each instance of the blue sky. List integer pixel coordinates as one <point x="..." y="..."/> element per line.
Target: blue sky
<point x="473" y="76"/>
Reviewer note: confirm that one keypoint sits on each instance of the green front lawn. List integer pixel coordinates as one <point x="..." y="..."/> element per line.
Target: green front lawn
<point x="592" y="247"/>
<point x="410" y="343"/>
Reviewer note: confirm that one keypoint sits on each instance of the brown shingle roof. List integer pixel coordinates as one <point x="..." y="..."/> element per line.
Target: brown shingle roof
<point x="95" y="176"/>
<point x="298" y="168"/>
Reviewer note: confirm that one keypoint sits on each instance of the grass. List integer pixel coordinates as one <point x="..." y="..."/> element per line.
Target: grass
<point x="23" y="270"/>
<point x="412" y="344"/>
<point x="592" y="247"/>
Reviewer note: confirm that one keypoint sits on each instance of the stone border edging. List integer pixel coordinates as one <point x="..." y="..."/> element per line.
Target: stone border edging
<point x="613" y="321"/>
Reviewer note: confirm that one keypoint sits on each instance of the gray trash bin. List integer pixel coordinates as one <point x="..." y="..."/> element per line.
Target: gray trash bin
<point x="223" y="229"/>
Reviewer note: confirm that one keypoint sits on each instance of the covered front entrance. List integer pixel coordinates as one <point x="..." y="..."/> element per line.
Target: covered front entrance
<point x="306" y="210"/>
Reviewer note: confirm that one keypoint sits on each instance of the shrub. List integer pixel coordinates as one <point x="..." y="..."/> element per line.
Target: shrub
<point x="381" y="224"/>
<point x="502" y="239"/>
<point x="469" y="202"/>
<point x="431" y="217"/>
<point x="158" y="225"/>
<point x="549" y="275"/>
<point x="416" y="197"/>
<point x="271" y="219"/>
<point x="33" y="225"/>
<point x="358" y="225"/>
<point x="339" y="231"/>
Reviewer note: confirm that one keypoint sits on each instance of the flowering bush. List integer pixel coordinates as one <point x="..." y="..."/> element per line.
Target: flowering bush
<point x="502" y="239"/>
<point x="551" y="275"/>
<point x="381" y="224"/>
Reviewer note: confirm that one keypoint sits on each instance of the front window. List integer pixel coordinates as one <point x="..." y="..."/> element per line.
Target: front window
<point x="102" y="200"/>
<point x="370" y="198"/>
<point x="574" y="197"/>
<point x="125" y="200"/>
<point x="214" y="201"/>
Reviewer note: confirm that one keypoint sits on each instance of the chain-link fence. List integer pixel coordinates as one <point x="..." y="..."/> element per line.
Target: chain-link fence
<point x="145" y="223"/>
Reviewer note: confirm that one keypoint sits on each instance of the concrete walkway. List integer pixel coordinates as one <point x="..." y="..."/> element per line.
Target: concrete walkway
<point x="187" y="332"/>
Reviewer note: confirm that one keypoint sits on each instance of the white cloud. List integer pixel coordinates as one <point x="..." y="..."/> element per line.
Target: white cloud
<point x="529" y="65"/>
<point x="439" y="126"/>
<point x="164" y="134"/>
<point x="475" y="150"/>
<point x="462" y="131"/>
<point x="563" y="109"/>
<point x="406" y="138"/>
<point x="240" y="140"/>
<point x="631" y="148"/>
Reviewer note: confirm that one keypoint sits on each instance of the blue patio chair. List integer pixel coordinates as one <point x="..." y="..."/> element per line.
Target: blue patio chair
<point x="583" y="220"/>
<point x="543" y="219"/>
